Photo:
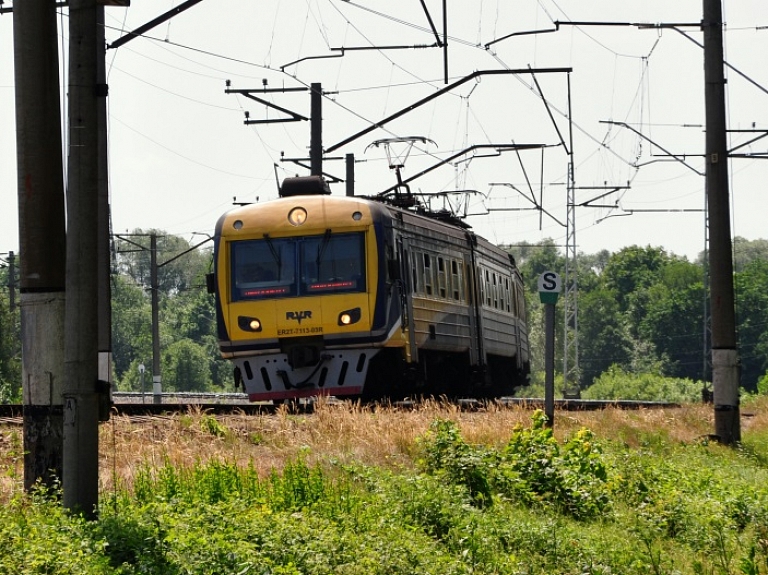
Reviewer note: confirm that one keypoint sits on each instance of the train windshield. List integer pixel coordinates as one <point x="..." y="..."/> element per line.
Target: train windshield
<point x="299" y="266"/>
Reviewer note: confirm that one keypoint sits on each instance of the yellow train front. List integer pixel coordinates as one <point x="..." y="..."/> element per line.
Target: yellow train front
<point x="301" y="296"/>
<point x="347" y="296"/>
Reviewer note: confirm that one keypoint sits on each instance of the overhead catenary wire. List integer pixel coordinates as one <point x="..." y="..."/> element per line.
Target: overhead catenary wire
<point x="317" y="19"/>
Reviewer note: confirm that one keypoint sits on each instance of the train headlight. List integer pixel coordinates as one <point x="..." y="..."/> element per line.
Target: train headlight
<point x="248" y="323"/>
<point x="350" y="316"/>
<point x="297" y="216"/>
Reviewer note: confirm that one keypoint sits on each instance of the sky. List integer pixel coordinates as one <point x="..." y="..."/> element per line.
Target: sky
<point x="615" y="102"/>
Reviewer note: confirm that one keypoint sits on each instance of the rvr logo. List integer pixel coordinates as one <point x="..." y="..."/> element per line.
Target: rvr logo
<point x="298" y="315"/>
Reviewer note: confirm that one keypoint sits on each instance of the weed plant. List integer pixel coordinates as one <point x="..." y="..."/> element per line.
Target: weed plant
<point x="374" y="491"/>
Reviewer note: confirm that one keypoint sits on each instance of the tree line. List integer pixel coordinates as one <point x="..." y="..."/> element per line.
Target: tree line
<point x="641" y="310"/>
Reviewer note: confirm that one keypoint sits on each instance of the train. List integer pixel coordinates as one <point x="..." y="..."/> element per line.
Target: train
<point x="364" y="298"/>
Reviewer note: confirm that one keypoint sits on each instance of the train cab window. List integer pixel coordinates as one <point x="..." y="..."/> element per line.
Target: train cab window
<point x="287" y="267"/>
<point x="332" y="263"/>
<point x="263" y="268"/>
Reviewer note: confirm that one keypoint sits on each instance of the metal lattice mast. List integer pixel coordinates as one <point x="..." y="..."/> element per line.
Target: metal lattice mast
<point x="571" y="300"/>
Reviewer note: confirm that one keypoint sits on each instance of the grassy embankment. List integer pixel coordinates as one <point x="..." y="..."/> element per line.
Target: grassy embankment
<point x="350" y="490"/>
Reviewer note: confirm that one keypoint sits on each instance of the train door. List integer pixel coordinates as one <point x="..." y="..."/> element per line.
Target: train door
<point x="477" y="353"/>
<point x="407" y="267"/>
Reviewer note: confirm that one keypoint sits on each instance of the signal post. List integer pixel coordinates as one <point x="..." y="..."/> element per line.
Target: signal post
<point x="550" y="287"/>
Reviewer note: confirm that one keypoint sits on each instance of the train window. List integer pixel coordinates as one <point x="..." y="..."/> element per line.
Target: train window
<point x="414" y="259"/>
<point x="263" y="268"/>
<point x="481" y="284"/>
<point x="332" y="263"/>
<point x="428" y="274"/>
<point x="456" y="280"/>
<point x="520" y="300"/>
<point x="442" y="278"/>
<point x="513" y="298"/>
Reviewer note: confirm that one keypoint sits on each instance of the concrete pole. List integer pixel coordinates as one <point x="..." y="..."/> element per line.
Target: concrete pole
<point x="81" y="405"/>
<point x="157" y="385"/>
<point x="725" y="355"/>
<point x="41" y="236"/>
<point x="11" y="281"/>
<point x="103" y="253"/>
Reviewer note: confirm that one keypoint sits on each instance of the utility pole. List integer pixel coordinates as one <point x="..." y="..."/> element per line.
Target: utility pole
<point x="157" y="386"/>
<point x="316" y="138"/>
<point x="349" y="160"/>
<point x="11" y="281"/>
<point x="103" y="228"/>
<point x="41" y="236"/>
<point x="81" y="383"/>
<point x="725" y="355"/>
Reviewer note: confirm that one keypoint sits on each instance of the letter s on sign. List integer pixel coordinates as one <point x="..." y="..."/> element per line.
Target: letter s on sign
<point x="549" y="282"/>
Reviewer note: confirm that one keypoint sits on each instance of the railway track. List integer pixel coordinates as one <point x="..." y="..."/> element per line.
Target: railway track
<point x="137" y="405"/>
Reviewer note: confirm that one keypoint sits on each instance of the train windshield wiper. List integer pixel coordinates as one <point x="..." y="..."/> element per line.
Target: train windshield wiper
<point x="321" y="248"/>
<point x="275" y="254"/>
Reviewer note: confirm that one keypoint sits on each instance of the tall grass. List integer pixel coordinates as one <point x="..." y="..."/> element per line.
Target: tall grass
<point x="353" y="490"/>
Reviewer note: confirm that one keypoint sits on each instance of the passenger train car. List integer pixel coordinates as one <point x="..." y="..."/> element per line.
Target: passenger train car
<point x="351" y="296"/>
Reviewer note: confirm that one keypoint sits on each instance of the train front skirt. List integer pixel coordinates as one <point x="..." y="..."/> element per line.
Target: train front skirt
<point x="272" y="377"/>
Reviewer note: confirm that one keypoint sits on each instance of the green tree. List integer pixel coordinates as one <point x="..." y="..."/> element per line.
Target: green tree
<point x="186" y="367"/>
<point x="10" y="352"/>
<point x="746" y="251"/>
<point x="604" y="337"/>
<point x="186" y="311"/>
<point x="535" y="259"/>
<point x="674" y="318"/>
<point x="630" y="270"/>
<point x="131" y="326"/>
<point x="751" y="291"/>
<point x="191" y="315"/>
<point x="175" y="272"/>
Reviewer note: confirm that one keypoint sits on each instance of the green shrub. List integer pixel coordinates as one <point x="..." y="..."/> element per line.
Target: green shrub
<point x="762" y="385"/>
<point x="571" y="477"/>
<point x="447" y="454"/>
<point x="619" y="384"/>
<point x="532" y="469"/>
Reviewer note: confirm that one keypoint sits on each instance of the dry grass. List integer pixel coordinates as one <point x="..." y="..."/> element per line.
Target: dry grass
<point x="346" y="432"/>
